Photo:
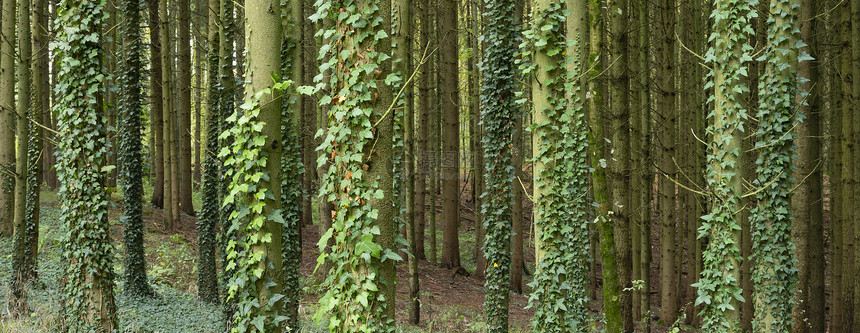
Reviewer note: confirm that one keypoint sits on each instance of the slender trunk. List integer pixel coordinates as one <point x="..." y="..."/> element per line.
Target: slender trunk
<point x="22" y="125"/>
<point x="308" y="117"/>
<point x="855" y="65"/>
<point x="421" y="170"/>
<point x="201" y="28"/>
<point x="450" y="160"/>
<point x="619" y="157"/>
<point x="7" y="117"/>
<point x="807" y="199"/>
<point x="183" y="108"/>
<point x="645" y="170"/>
<point x="156" y="101"/>
<point x="665" y="127"/>
<point x="42" y="35"/>
<point x="167" y="119"/>
<point x="842" y="63"/>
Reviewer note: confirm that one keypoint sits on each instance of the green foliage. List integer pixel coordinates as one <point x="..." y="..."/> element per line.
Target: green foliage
<point x="226" y="105"/>
<point x="210" y="214"/>
<point x="291" y="181"/>
<point x="774" y="274"/>
<point x="498" y="113"/>
<point x="245" y="166"/>
<point x="350" y="52"/>
<point x="719" y="289"/>
<point x="559" y="299"/>
<point x="131" y="150"/>
<point x="82" y="156"/>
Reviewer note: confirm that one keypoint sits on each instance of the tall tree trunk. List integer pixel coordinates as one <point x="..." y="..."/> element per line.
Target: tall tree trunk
<point x="807" y="199"/>
<point x="170" y="217"/>
<point x="435" y="129"/>
<point x="201" y="29"/>
<point x="110" y="92"/>
<point x="88" y="290"/>
<point x="42" y="34"/>
<point x="842" y="61"/>
<point x="421" y="170"/>
<point x="619" y="157"/>
<point x="207" y="225"/>
<point x="721" y="268"/>
<point x="773" y="274"/>
<point x="475" y="135"/>
<point x="403" y="39"/>
<point x="156" y="101"/>
<point x="22" y="125"/>
<point x="183" y="108"/>
<point x="130" y="149"/>
<point x="665" y="127"/>
<point x="450" y="159"/>
<point x="7" y="118"/>
<point x="227" y="81"/>
<point x="308" y="117"/>
<point x="644" y="170"/>
<point x="263" y="38"/>
<point x="855" y="66"/>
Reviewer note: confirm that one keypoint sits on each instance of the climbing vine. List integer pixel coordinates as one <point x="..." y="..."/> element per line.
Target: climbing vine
<point x="291" y="175"/>
<point x="774" y="272"/>
<point x="210" y="215"/>
<point x="354" y="52"/>
<point x="131" y="149"/>
<point x="561" y="148"/>
<point x="247" y="255"/>
<point x="499" y="111"/>
<point x="226" y="105"/>
<point x="88" y="304"/>
<point x="719" y="290"/>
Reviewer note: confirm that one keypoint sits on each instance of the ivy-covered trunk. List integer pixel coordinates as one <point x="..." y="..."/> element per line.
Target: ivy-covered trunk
<point x="774" y="272"/>
<point x="131" y="150"/>
<point x="356" y="52"/>
<point x="559" y="49"/>
<point x="88" y="301"/>
<point x="719" y="290"/>
<point x="227" y="103"/>
<point x="207" y="225"/>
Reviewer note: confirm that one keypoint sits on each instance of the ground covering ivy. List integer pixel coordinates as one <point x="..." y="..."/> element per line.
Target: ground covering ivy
<point x="354" y="53"/>
<point x="560" y="302"/>
<point x="498" y="113"/>
<point x="718" y="287"/>
<point x="82" y="158"/>
<point x="131" y="150"/>
<point x="774" y="274"/>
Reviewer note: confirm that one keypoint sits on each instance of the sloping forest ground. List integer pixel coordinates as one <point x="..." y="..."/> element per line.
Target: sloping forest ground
<point x="450" y="302"/>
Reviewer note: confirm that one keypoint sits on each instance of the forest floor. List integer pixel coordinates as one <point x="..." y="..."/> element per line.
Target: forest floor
<point x="449" y="302"/>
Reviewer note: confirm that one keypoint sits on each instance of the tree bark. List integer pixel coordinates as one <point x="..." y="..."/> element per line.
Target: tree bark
<point x="22" y="125"/>
<point x="183" y="108"/>
<point x="450" y="159"/>
<point x="170" y="202"/>
<point x="156" y="101"/>
<point x="7" y="118"/>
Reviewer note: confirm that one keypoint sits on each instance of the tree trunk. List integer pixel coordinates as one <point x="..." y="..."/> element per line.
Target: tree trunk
<point x="645" y="172"/>
<point x="89" y="277"/>
<point x="665" y="127"/>
<point x="170" y="202"/>
<point x="450" y="159"/>
<point x="721" y="269"/>
<point x="843" y="70"/>
<point x="619" y="157"/>
<point x="42" y="34"/>
<point x="201" y="29"/>
<point x="22" y="125"/>
<point x="7" y="118"/>
<point x="421" y="171"/>
<point x="156" y="101"/>
<point x="807" y="199"/>
<point x="263" y="37"/>
<point x="183" y="108"/>
<point x="855" y="65"/>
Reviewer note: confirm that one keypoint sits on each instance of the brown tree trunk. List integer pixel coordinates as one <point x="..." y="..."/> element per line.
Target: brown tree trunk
<point x="156" y="101"/>
<point x="450" y="97"/>
<point x="183" y="107"/>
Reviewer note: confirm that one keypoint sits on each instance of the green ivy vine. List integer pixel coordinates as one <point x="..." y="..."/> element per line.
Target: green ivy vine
<point x="247" y="259"/>
<point x="560" y="302"/>
<point x="498" y="113"/>
<point x="718" y="287"/>
<point x="131" y="150"/>
<point x="292" y="169"/>
<point x="88" y="289"/>
<point x="354" y="53"/>
<point x="774" y="274"/>
<point x="210" y="214"/>
<point x="227" y="106"/>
